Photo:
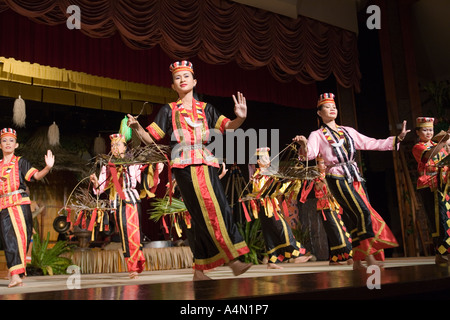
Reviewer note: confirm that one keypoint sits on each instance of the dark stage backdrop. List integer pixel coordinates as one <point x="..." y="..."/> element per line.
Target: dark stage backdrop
<point x="216" y="31"/>
<point x="57" y="46"/>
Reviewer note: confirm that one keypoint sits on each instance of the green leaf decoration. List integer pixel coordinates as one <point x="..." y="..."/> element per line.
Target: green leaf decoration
<point x="125" y="130"/>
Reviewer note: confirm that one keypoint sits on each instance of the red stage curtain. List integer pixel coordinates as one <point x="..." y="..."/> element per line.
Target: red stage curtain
<point x="220" y="37"/>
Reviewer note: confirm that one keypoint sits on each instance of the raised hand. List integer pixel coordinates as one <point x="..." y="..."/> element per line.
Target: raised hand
<point x="49" y="159"/>
<point x="404" y="132"/>
<point x="240" y="106"/>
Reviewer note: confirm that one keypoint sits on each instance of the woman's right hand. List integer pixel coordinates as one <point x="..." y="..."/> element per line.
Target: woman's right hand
<point x="94" y="180"/>
<point x="143" y="135"/>
<point x="132" y="122"/>
<point x="301" y="140"/>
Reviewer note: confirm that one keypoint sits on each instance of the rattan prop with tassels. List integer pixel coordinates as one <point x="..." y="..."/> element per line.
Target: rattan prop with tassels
<point x="91" y="211"/>
<point x="270" y="187"/>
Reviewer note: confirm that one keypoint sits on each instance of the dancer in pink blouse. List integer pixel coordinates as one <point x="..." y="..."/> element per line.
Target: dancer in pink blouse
<point x="338" y="146"/>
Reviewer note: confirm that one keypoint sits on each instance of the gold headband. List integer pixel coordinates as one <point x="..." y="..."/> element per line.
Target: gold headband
<point x="424" y="122"/>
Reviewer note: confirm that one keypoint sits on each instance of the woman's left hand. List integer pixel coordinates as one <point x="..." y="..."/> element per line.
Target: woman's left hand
<point x="404" y="132"/>
<point x="49" y="159"/>
<point x="240" y="106"/>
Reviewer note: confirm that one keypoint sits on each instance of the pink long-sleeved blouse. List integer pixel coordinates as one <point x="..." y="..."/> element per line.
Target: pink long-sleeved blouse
<point x="318" y="143"/>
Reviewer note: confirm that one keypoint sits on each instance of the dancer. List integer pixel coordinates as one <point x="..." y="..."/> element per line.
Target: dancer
<point x="338" y="145"/>
<point x="432" y="184"/>
<point x="16" y="222"/>
<point x="280" y="242"/>
<point x="189" y="122"/>
<point x="339" y="241"/>
<point x="121" y="181"/>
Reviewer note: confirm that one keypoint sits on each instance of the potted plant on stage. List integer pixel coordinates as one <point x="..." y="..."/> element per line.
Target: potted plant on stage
<point x="48" y="261"/>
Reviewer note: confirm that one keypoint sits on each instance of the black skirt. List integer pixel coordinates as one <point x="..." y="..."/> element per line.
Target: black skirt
<point x="214" y="237"/>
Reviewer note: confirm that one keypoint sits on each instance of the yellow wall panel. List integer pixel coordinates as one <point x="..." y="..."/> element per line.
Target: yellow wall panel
<point x="14" y="89"/>
<point x="58" y="96"/>
<point x="88" y="101"/>
<point x="54" y="85"/>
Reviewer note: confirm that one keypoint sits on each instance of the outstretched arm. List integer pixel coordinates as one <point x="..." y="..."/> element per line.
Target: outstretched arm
<point x="49" y="162"/>
<point x="240" y="110"/>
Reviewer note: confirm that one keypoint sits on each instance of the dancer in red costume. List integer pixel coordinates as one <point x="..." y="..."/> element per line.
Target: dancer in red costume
<point x="339" y="241"/>
<point x="121" y="181"/>
<point x="432" y="184"/>
<point x="281" y="243"/>
<point x="189" y="123"/>
<point x="16" y="222"/>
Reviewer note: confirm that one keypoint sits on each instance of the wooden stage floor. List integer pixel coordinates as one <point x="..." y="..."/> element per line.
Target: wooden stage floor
<point x="401" y="278"/>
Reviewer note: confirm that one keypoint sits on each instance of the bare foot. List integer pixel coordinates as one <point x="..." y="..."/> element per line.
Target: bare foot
<point x="16" y="281"/>
<point x="209" y="270"/>
<point x="440" y="259"/>
<point x="370" y="259"/>
<point x="133" y="275"/>
<point x="347" y="262"/>
<point x="357" y="265"/>
<point x="274" y="266"/>
<point x="199" y="276"/>
<point x="302" y="259"/>
<point x="238" y="267"/>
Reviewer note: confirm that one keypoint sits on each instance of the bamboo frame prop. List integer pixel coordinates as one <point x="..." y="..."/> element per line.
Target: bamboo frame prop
<point x="86" y="207"/>
<point x="280" y="184"/>
<point x="290" y="169"/>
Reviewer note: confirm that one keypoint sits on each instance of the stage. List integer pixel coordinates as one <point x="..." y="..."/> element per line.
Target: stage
<point x="401" y="278"/>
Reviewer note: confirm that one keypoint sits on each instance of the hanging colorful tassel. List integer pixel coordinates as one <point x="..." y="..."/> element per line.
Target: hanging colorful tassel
<point x="68" y="215"/>
<point x="93" y="220"/>
<point x="187" y="219"/>
<point x="19" y="112"/>
<point x="165" y="225"/>
<point x="285" y="208"/>
<point x="247" y="216"/>
<point x="79" y="217"/>
<point x="274" y="208"/>
<point x="115" y="178"/>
